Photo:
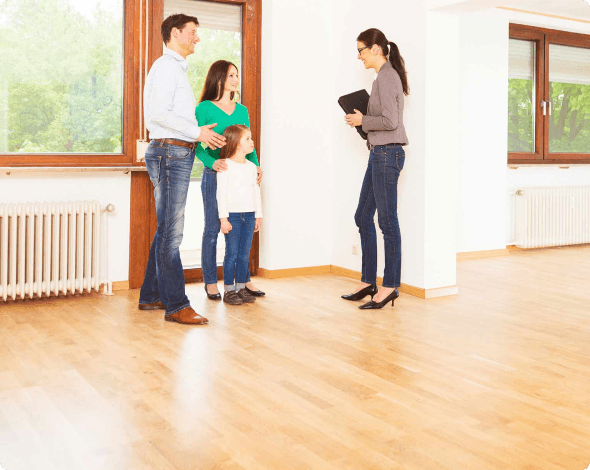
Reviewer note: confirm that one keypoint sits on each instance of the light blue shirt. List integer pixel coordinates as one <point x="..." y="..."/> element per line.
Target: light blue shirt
<point x="169" y="101"/>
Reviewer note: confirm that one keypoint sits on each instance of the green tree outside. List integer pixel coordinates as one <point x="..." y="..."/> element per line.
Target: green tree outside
<point x="62" y="88"/>
<point x="569" y="122"/>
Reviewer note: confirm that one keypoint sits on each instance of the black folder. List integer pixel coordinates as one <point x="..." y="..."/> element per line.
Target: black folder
<point x="357" y="100"/>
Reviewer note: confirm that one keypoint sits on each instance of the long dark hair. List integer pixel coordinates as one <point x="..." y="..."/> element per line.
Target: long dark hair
<point x="374" y="36"/>
<point x="215" y="81"/>
<point x="233" y="134"/>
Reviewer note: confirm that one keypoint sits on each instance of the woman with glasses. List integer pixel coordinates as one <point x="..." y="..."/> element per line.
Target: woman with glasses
<point x="386" y="140"/>
<point x="218" y="105"/>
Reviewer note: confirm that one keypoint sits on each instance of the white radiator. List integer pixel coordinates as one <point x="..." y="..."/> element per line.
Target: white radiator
<point x="49" y="249"/>
<point x="552" y="216"/>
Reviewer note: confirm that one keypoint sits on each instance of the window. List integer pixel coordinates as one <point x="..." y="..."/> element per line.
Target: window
<point x="548" y="96"/>
<point x="62" y="83"/>
<point x="220" y="33"/>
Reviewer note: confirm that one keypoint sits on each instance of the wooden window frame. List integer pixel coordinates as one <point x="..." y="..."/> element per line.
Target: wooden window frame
<point x="143" y="214"/>
<point x="543" y="37"/>
<point x="130" y="117"/>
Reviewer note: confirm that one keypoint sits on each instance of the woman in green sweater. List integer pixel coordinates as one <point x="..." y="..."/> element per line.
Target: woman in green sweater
<point x="218" y="106"/>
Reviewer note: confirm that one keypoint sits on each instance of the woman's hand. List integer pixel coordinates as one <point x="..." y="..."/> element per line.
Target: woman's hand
<point x="225" y="226"/>
<point x="258" y="175"/>
<point x="257" y="225"/>
<point x="355" y="119"/>
<point x="219" y="165"/>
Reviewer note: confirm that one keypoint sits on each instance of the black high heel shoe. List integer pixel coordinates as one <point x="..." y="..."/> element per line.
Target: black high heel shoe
<point x="212" y="296"/>
<point x="372" y="304"/>
<point x="255" y="293"/>
<point x="361" y="294"/>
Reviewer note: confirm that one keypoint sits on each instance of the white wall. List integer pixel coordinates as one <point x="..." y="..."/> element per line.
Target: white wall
<point x="485" y="217"/>
<point x="442" y="150"/>
<point x="106" y="188"/>
<point x="529" y="177"/>
<point x="483" y="124"/>
<point x="296" y="142"/>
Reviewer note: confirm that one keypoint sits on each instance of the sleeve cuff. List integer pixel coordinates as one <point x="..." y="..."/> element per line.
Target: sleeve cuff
<point x="197" y="132"/>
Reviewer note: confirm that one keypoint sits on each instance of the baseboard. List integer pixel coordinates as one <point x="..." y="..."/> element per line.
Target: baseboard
<point x="278" y="273"/>
<point x="120" y="285"/>
<point x="441" y="292"/>
<point x="483" y="254"/>
<point x="405" y="288"/>
<point x="328" y="269"/>
<point x="349" y="273"/>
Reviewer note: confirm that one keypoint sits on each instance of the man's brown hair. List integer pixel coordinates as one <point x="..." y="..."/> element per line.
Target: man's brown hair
<point x="176" y="21"/>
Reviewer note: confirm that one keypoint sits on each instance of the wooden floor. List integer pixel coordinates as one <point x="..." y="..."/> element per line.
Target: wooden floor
<point x="497" y="377"/>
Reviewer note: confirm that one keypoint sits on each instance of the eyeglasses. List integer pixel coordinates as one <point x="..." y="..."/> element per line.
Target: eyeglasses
<point x="362" y="49"/>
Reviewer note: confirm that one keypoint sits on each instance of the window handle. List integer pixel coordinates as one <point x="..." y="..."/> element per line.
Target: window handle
<point x="544" y="107"/>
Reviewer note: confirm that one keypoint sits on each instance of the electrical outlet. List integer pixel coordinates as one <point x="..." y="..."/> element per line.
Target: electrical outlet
<point x="355" y="249"/>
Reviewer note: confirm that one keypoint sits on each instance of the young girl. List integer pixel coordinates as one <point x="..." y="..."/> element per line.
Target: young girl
<point x="240" y="211"/>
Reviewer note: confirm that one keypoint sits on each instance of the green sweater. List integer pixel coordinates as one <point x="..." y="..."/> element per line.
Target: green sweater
<point x="208" y="113"/>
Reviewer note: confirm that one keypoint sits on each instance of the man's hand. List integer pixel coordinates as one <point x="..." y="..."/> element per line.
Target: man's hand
<point x="355" y="119"/>
<point x="257" y="225"/>
<point x="219" y="165"/>
<point x="225" y="226"/>
<point x="258" y="175"/>
<point x="210" y="137"/>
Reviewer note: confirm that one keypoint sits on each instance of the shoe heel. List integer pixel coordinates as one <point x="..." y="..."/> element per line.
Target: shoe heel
<point x="392" y="302"/>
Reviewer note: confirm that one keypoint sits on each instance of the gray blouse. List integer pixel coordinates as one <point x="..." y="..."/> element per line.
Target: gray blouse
<point x="384" y="119"/>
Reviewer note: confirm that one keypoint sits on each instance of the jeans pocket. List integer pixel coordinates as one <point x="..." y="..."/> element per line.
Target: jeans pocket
<point x="380" y="150"/>
<point x="153" y="163"/>
<point x="179" y="153"/>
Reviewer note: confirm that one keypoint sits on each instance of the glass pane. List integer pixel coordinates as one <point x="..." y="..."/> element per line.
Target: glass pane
<point x="61" y="78"/>
<point x="221" y="38"/>
<point x="521" y="96"/>
<point x="569" y="90"/>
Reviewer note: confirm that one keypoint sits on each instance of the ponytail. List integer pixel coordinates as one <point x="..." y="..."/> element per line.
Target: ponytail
<point x="374" y="36"/>
<point x="399" y="65"/>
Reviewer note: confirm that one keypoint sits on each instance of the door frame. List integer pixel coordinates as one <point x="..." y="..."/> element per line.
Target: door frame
<point x="143" y="222"/>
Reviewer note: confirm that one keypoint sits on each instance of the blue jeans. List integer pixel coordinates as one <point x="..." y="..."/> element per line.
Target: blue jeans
<point x="169" y="167"/>
<point x="379" y="193"/>
<point x="237" y="247"/>
<point x="212" y="227"/>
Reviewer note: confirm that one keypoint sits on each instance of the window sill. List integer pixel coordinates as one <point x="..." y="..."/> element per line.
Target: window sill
<point x="8" y="170"/>
<point x="565" y="166"/>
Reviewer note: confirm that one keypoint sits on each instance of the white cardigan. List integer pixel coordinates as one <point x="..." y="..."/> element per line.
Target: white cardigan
<point x="237" y="190"/>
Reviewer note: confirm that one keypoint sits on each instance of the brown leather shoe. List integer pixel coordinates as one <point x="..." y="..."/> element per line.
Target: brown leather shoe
<point x="231" y="297"/>
<point x="187" y="316"/>
<point x="246" y="297"/>
<point x="154" y="306"/>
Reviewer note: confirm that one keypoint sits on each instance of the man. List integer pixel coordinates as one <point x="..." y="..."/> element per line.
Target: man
<point x="169" y="110"/>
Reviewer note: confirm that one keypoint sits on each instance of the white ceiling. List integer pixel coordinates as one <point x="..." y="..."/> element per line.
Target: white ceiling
<point x="579" y="9"/>
<point x="575" y="9"/>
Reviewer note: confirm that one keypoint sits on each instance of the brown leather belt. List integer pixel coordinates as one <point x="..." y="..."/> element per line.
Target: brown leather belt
<point x="180" y="143"/>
